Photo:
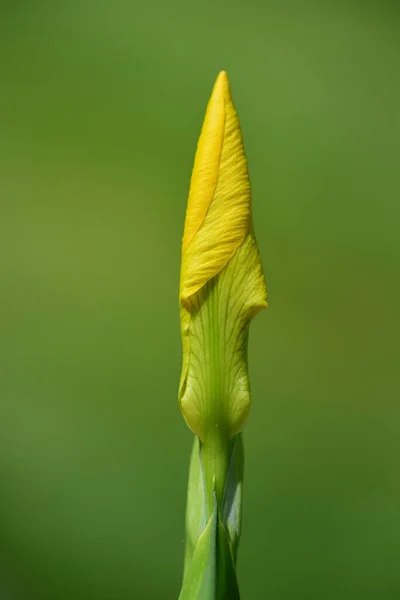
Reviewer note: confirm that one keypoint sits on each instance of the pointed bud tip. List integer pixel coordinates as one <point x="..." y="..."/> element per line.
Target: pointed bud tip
<point x="221" y="86"/>
<point x="223" y="76"/>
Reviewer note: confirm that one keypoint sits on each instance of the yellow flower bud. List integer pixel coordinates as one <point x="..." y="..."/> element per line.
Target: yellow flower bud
<point x="222" y="284"/>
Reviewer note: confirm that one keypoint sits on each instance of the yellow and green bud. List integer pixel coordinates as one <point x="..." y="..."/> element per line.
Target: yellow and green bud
<point x="222" y="287"/>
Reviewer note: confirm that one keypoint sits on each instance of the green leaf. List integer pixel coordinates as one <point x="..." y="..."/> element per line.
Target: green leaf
<point x="232" y="500"/>
<point x="197" y="510"/>
<point x="212" y="534"/>
<point x="201" y="572"/>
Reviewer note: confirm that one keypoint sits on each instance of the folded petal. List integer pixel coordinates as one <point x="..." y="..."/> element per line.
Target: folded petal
<point x="219" y="211"/>
<point x="222" y="282"/>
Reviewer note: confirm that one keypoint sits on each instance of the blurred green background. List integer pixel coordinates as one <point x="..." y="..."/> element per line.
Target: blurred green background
<point x="101" y="105"/>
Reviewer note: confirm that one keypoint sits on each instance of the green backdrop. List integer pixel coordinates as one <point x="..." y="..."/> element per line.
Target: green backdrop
<point x="101" y="105"/>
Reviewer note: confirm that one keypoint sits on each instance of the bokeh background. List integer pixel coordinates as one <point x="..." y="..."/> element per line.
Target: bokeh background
<point x="101" y="105"/>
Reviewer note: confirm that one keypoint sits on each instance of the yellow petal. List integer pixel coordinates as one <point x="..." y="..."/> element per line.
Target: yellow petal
<point x="219" y="207"/>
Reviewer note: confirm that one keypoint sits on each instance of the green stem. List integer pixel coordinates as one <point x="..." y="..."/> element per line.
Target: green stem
<point x="216" y="453"/>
